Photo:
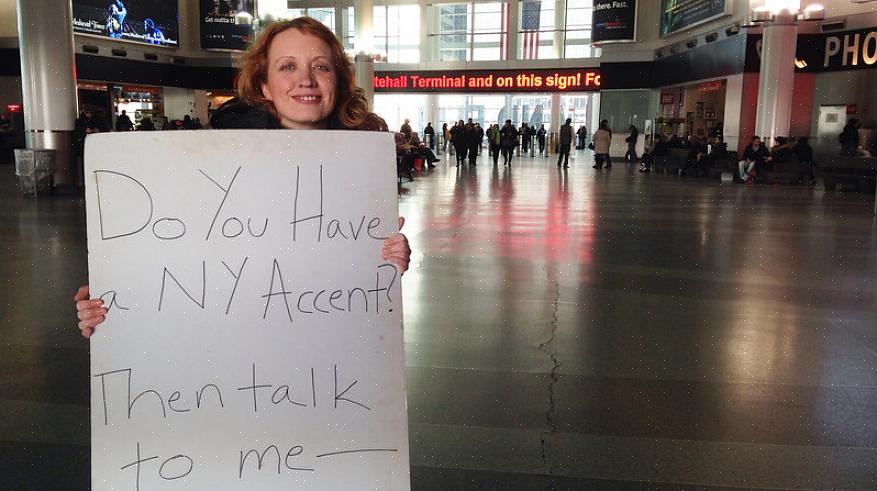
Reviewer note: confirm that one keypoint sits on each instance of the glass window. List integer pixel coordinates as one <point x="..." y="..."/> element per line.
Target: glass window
<point x="578" y="29"/>
<point x="396" y="108"/>
<point x="537" y="30"/>
<point x="397" y="32"/>
<point x="453" y="32"/>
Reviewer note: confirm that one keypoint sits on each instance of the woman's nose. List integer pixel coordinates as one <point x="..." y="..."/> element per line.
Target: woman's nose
<point x="306" y="77"/>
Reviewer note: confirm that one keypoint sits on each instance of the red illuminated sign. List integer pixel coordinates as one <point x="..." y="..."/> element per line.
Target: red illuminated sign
<point x="562" y="80"/>
<point x="13" y="108"/>
<point x="710" y="86"/>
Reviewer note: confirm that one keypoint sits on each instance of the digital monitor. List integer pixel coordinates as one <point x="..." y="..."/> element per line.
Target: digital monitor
<point x="153" y="22"/>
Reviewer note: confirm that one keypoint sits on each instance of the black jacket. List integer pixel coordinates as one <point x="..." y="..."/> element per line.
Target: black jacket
<point x="238" y="115"/>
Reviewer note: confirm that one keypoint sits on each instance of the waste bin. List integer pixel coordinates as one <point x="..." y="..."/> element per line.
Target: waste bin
<point x="34" y="170"/>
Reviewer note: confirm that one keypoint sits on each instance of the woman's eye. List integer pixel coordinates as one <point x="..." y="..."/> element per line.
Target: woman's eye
<point x="322" y="68"/>
<point x="287" y="66"/>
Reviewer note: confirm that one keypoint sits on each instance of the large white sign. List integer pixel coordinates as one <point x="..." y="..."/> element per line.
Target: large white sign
<point x="254" y="334"/>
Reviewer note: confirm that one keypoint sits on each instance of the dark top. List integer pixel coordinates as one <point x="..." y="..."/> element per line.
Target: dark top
<point x="758" y="155"/>
<point x="238" y="115"/>
<point x="803" y="152"/>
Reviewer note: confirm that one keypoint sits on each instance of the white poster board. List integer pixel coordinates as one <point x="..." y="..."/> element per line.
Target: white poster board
<point x="254" y="338"/>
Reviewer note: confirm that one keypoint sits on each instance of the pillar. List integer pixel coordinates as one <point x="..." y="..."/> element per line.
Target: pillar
<point x="363" y="45"/>
<point x="514" y="7"/>
<point x="776" y="78"/>
<point x="48" y="79"/>
<point x="560" y="29"/>
<point x="554" y="121"/>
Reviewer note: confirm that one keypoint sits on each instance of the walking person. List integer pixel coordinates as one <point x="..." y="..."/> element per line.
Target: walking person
<point x="508" y="141"/>
<point x="602" y="142"/>
<point x="566" y="134"/>
<point x="459" y="140"/>
<point x="475" y="135"/>
<point x="631" y="139"/>
<point x="581" y="137"/>
<point x="540" y="137"/>
<point x="493" y="141"/>
<point x="446" y="137"/>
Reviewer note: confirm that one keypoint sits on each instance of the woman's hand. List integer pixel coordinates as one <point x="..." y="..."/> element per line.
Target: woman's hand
<point x="396" y="249"/>
<point x="90" y="312"/>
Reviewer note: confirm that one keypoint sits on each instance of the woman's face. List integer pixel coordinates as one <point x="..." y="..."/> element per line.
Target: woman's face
<point x="301" y="80"/>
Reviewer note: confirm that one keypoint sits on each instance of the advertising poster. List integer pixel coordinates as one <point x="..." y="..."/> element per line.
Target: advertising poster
<point x="253" y="338"/>
<point x="219" y="28"/>
<point x="614" y="21"/>
<point x="141" y="21"/>
<point x="678" y="15"/>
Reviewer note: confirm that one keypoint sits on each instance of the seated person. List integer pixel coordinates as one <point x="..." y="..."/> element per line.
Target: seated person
<point x="754" y="155"/>
<point x="420" y="150"/>
<point x="404" y="156"/>
<point x="694" y="163"/>
<point x="781" y="152"/>
<point x="804" y="153"/>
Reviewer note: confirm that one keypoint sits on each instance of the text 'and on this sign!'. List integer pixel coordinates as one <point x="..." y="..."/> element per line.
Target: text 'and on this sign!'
<point x="613" y="21"/>
<point x="489" y="81"/>
<point x="254" y="337"/>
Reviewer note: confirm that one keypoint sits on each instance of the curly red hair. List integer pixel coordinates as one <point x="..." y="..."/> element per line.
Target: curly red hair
<point x="351" y="109"/>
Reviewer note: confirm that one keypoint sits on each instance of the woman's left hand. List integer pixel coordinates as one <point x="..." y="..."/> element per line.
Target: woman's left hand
<point x="396" y="249"/>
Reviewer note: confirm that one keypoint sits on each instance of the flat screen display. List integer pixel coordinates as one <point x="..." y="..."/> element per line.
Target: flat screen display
<point x="678" y="15"/>
<point x="614" y="21"/>
<point x="153" y="22"/>
<point x="219" y="27"/>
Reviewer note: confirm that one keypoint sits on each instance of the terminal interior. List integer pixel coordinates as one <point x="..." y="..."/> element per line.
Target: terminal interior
<point x="565" y="328"/>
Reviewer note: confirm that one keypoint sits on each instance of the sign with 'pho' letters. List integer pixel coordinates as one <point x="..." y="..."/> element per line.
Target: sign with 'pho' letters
<point x="254" y="333"/>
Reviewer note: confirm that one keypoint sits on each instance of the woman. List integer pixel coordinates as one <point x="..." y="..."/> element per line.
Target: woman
<point x="602" y="140"/>
<point x="295" y="76"/>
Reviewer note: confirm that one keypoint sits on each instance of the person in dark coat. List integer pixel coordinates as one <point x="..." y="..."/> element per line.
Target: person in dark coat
<point x="459" y="139"/>
<point x="540" y="137"/>
<point x="262" y="90"/>
<point x="631" y="144"/>
<point x="508" y="140"/>
<point x="123" y="122"/>
<point x="804" y="153"/>
<point x="581" y="137"/>
<point x="565" y="143"/>
<point x="849" y="138"/>
<point x="475" y="137"/>
<point x="754" y="154"/>
<point x="429" y="135"/>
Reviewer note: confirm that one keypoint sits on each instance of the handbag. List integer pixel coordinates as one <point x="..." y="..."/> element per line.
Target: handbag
<point x="591" y="145"/>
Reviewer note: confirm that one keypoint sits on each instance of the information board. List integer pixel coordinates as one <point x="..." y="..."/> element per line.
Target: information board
<point x="254" y="338"/>
<point x="613" y="21"/>
<point x="678" y="15"/>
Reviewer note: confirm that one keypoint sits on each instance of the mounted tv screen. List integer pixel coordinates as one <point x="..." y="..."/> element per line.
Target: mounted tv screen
<point x="141" y="21"/>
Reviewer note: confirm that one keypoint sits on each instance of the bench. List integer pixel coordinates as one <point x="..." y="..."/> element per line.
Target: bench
<point x="858" y="173"/>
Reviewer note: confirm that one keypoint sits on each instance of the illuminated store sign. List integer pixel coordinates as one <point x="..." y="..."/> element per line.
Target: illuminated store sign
<point x="489" y="81"/>
<point x="825" y="52"/>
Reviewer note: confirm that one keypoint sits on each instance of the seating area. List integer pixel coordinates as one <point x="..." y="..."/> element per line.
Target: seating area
<point x="847" y="172"/>
<point x="838" y="172"/>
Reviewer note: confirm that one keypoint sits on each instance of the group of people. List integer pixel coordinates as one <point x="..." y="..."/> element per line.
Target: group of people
<point x="756" y="156"/>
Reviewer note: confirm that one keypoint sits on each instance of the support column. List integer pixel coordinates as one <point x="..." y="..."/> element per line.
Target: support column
<point x="560" y="29"/>
<point x="48" y="80"/>
<point x="776" y="78"/>
<point x="554" y="123"/>
<point x="513" y="23"/>
<point x="363" y="45"/>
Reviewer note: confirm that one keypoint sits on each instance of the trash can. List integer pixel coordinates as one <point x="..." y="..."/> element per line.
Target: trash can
<point x="34" y="168"/>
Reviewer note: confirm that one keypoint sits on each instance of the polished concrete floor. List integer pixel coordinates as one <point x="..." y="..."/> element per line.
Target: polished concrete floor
<point x="565" y="330"/>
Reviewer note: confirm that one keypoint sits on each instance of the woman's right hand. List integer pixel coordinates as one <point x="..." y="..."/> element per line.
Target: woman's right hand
<point x="90" y="312"/>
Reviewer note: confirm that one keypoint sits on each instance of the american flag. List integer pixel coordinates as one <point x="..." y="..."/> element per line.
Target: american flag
<point x="531" y="10"/>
